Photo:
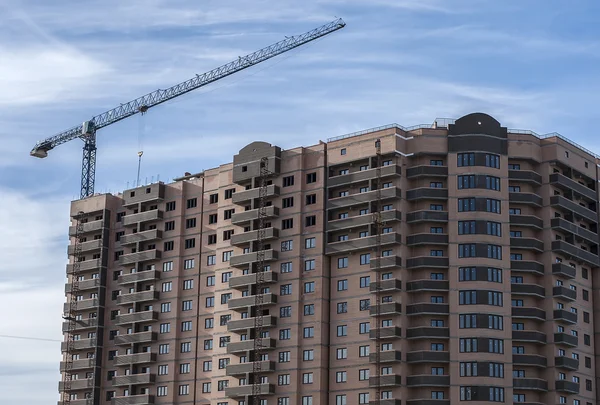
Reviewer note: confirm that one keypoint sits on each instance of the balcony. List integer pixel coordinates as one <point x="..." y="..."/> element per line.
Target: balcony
<point x="86" y="265"/>
<point x="138" y="277"/>
<point x="580" y="233"/>
<point x="427" y="193"/>
<point x="81" y="384"/>
<point x="565" y="316"/>
<point x="386" y="285"/>
<point x="566" y="184"/>
<point x="534" y="290"/>
<point x="363" y="175"/>
<point x="139" y="337"/>
<point x="562" y="270"/>
<point x="533" y="360"/>
<point x="569" y="205"/>
<point x="86" y="247"/>
<point x="362" y="198"/>
<point x="388" y="380"/>
<point x="427" y="308"/>
<point x="427" y="261"/>
<point x="426" y="171"/>
<point x="245" y="217"/>
<point x="525" y="176"/>
<point x="427" y="216"/>
<point x="527" y="244"/>
<point x="140" y="237"/>
<point x="534" y="384"/>
<point x="133" y="379"/>
<point x="133" y="400"/>
<point x="385" y="402"/>
<point x="564" y="339"/>
<point x="388" y="308"/>
<point x="427" y="239"/>
<point x="248" y="345"/>
<point x="137" y="257"/>
<point x="242" y="325"/>
<point x="136" y="358"/>
<point x="387" y="356"/>
<point x="90" y="284"/>
<point x="141" y="296"/>
<point x="144" y="194"/>
<point x="362" y="220"/>
<point x="428" y="380"/>
<point x="142" y="217"/>
<point x="368" y="242"/>
<point x="426" y="356"/>
<point x="566" y="363"/>
<point x="89" y="323"/>
<point x="573" y="251"/>
<point x="245" y="196"/>
<point x="89" y="227"/>
<point x="428" y="402"/>
<point x="428" y="332"/>
<point x="251" y="236"/>
<point x="529" y="313"/>
<point x="246" y="390"/>
<point x="242" y="304"/>
<point x="529" y="336"/>
<point x="527" y="266"/>
<point x="90" y="303"/>
<point x="525" y="198"/>
<point x="244" y="260"/>
<point x="135" y="317"/>
<point x="247" y="368"/>
<point x="387" y="332"/>
<point x="427" y="285"/>
<point x="564" y="293"/>
<point x="246" y="280"/>
<point x="386" y="262"/>
<point x="81" y="344"/>
<point x="566" y="386"/>
<point x="78" y="364"/>
<point x="527" y="221"/>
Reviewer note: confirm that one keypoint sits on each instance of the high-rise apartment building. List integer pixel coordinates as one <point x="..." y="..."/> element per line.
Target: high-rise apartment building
<point x="481" y="285"/>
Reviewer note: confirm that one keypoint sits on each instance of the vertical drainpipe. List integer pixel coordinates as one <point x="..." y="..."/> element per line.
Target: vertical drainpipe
<point x="199" y="287"/>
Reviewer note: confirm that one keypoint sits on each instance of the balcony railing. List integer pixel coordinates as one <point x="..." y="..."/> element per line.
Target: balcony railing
<point x="534" y="384"/>
<point x="133" y="379"/>
<point x="90" y="284"/>
<point x="90" y="246"/>
<point x="427" y="261"/>
<point x="363" y="175"/>
<point x="579" y="232"/>
<point x="566" y="204"/>
<point x="245" y="217"/>
<point x="148" y="275"/>
<point x="525" y="176"/>
<point x="362" y="220"/>
<point x="566" y="363"/>
<point x="564" y="293"/>
<point x="535" y="290"/>
<point x="81" y="344"/>
<point x="527" y="220"/>
<point x="386" y="285"/>
<point x="560" y="181"/>
<point x="143" y="316"/>
<point x="245" y="368"/>
<point x="387" y="356"/>
<point x="245" y="259"/>
<point x="565" y="316"/>
<point x="427" y="332"/>
<point x="241" y="197"/>
<point x="569" y="250"/>
<point x="426" y="356"/>
<point x="427" y="216"/>
<point x="388" y="308"/>
<point x="136" y="358"/>
<point x="246" y="390"/>
<point x="143" y="256"/>
<point x="428" y="380"/>
<point x="248" y="345"/>
<point x="250" y="236"/>
<point x="565" y="339"/>
<point x="144" y="236"/>
<point x="133" y="400"/>
<point x="139" y="337"/>
<point x="533" y="360"/>
<point x="368" y="242"/>
<point x="142" y="217"/>
<point x="427" y="285"/>
<point x="243" y="303"/>
<point x="561" y="269"/>
<point x="241" y="325"/>
<point x="387" y="332"/>
<point x="141" y="296"/>
<point x="361" y="198"/>
<point x="388" y="380"/>
<point x="246" y="280"/>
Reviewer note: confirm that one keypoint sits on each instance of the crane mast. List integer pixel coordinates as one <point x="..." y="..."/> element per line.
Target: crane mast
<point x="87" y="130"/>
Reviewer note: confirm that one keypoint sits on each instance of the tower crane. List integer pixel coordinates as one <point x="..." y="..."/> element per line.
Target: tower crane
<point x="87" y="131"/>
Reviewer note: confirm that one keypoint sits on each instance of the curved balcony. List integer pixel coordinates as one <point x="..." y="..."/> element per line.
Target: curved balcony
<point x="562" y="270"/>
<point x="564" y="293"/>
<point x="529" y="336"/>
<point x="570" y="228"/>
<point x="565" y="386"/>
<point x="533" y="360"/>
<point x="428" y="332"/>
<point x="566" y="363"/>
<point x="527" y="244"/>
<point x="427" y="308"/>
<point x="565" y="316"/>
<point x="427" y="285"/>
<point x="566" y="184"/>
<point x="530" y="221"/>
<point x="427" y="261"/>
<point x="427" y="356"/>
<point x="534" y="384"/>
<point x="428" y="380"/>
<point x="534" y="290"/>
<point x="561" y="338"/>
<point x="427" y="216"/>
<point x="575" y="208"/>
<point x="529" y="313"/>
<point x="427" y="193"/>
<point x="426" y="171"/>
<point x="573" y="251"/>
<point x="525" y="176"/>
<point x="427" y="239"/>
<point x="527" y="266"/>
<point x="525" y="198"/>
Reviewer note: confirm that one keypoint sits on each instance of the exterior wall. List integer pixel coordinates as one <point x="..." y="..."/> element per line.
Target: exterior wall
<point x="549" y="243"/>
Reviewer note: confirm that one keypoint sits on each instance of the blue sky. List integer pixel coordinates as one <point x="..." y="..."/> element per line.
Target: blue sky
<point x="531" y="64"/>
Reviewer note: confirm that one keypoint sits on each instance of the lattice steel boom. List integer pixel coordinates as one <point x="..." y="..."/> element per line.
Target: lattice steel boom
<point x="88" y="129"/>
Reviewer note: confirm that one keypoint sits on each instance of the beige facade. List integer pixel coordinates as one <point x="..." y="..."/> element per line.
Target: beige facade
<point x="489" y="249"/>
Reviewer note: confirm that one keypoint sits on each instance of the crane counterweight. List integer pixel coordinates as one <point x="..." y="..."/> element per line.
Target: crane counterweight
<point x="142" y="104"/>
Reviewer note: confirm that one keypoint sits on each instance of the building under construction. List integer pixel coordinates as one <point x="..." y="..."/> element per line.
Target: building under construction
<point x="415" y="266"/>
